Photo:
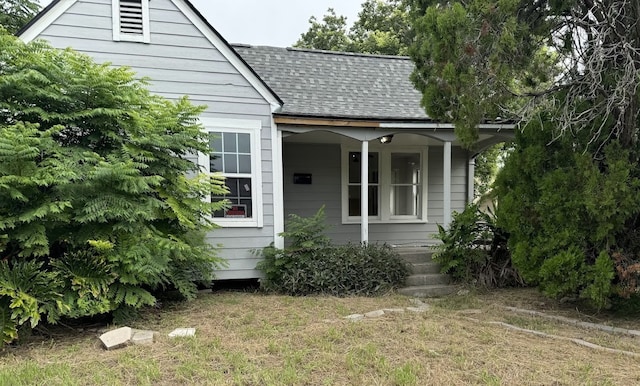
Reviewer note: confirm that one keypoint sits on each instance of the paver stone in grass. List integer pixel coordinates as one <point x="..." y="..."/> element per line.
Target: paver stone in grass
<point x="142" y="337"/>
<point x="374" y="314"/>
<point x="117" y="338"/>
<point x="180" y="332"/>
<point x="354" y="317"/>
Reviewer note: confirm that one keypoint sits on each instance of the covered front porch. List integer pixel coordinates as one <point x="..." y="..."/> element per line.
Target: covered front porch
<point x="414" y="179"/>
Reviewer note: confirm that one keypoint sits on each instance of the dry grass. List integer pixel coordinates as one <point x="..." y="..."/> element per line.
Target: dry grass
<point x="254" y="339"/>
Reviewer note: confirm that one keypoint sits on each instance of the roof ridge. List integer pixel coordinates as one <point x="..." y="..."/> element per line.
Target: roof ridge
<point x="327" y="52"/>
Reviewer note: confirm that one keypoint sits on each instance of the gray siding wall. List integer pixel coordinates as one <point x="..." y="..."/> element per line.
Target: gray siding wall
<point x="180" y="61"/>
<point x="323" y="162"/>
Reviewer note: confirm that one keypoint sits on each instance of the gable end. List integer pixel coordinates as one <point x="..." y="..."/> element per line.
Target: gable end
<point x="131" y="20"/>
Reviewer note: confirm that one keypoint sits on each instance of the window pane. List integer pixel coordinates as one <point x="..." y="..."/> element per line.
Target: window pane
<point x="215" y="141"/>
<point x="355" y="168"/>
<point x="230" y="142"/>
<point x="244" y="164"/>
<point x="246" y="204"/>
<point x="244" y="143"/>
<point x="354" y="200"/>
<point x="215" y="164"/>
<point x="218" y="213"/>
<point x="230" y="163"/>
<point x="239" y="198"/>
<point x="405" y="168"/>
<point x="244" y="187"/>
<point x="405" y="200"/>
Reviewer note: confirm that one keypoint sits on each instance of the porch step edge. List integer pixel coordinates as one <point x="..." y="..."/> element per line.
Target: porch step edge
<point x="427" y="279"/>
<point x="428" y="291"/>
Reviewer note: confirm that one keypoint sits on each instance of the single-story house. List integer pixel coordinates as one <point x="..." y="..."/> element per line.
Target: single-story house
<point x="297" y="129"/>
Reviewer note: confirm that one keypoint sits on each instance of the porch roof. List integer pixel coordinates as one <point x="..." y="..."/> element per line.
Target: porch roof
<point x="329" y="84"/>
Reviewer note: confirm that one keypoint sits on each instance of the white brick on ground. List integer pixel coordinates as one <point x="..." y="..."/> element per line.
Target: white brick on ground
<point x="354" y="317"/>
<point x="142" y="337"/>
<point x="393" y="310"/>
<point x="374" y="314"/>
<point x="117" y="338"/>
<point x="182" y="332"/>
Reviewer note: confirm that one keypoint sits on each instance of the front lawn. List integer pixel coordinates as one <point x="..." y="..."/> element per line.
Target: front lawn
<point x="256" y="339"/>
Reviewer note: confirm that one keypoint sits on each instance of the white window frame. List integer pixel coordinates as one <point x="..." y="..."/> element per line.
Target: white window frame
<point x="115" y="17"/>
<point x="253" y="128"/>
<point x="384" y="185"/>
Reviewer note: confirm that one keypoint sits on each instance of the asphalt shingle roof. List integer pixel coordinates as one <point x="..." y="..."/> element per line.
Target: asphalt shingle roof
<point x="336" y="84"/>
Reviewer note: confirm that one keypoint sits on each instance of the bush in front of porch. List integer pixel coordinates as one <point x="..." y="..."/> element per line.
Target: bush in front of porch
<point x="311" y="265"/>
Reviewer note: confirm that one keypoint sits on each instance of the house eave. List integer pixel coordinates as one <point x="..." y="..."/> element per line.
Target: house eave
<point x="381" y="122"/>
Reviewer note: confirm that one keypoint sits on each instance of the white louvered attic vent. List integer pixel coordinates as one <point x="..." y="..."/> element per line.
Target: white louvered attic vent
<point x="131" y="17"/>
<point x="131" y="20"/>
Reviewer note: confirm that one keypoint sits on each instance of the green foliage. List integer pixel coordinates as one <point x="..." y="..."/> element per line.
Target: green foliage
<point x="94" y="190"/>
<point x="309" y="265"/>
<point x="571" y="215"/>
<point x="472" y="57"/>
<point x="15" y="14"/>
<point x="486" y="168"/>
<point x="382" y="27"/>
<point x="331" y="34"/>
<point x="474" y="250"/>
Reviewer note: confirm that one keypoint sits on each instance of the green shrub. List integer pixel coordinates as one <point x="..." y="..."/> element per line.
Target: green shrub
<point x="474" y="250"/>
<point x="96" y="209"/>
<point x="310" y="265"/>
<point x="571" y="209"/>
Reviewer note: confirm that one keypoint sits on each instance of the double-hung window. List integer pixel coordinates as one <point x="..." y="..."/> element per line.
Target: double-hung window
<point x="131" y="20"/>
<point x="234" y="152"/>
<point x="396" y="179"/>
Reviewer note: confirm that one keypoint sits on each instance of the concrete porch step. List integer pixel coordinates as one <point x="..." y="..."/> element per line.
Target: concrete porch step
<point x="424" y="268"/>
<point x="427" y="279"/>
<point x="417" y="257"/>
<point x="428" y="291"/>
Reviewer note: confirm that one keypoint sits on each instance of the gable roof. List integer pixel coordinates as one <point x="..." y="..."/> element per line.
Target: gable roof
<point x="57" y="7"/>
<point x="315" y="83"/>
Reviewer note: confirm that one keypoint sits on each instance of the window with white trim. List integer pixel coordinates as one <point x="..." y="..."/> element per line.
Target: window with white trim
<point x="396" y="185"/>
<point x="235" y="154"/>
<point x="131" y="20"/>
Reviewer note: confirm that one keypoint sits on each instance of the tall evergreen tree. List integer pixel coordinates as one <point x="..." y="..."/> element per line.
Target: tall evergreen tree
<point x="568" y="71"/>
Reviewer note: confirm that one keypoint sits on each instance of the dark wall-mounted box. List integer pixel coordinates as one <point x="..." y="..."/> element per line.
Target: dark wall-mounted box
<point x="302" y="178"/>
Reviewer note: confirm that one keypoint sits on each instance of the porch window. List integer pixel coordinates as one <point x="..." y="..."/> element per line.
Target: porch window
<point x="406" y="184"/>
<point x="355" y="190"/>
<point x="234" y="153"/>
<point x="131" y="20"/>
<point x="396" y="185"/>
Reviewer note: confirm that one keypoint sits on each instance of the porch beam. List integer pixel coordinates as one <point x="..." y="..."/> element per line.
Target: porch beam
<point x="364" y="193"/>
<point x="325" y="122"/>
<point x="446" y="180"/>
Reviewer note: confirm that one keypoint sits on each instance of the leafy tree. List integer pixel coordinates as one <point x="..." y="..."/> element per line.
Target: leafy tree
<point x="15" y="14"/>
<point x="96" y="206"/>
<point x="382" y="28"/>
<point x="331" y="34"/>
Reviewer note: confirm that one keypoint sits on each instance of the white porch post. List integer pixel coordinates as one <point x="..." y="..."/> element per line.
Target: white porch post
<point x="364" y="193"/>
<point x="471" y="180"/>
<point x="278" y="189"/>
<point x="446" y="161"/>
